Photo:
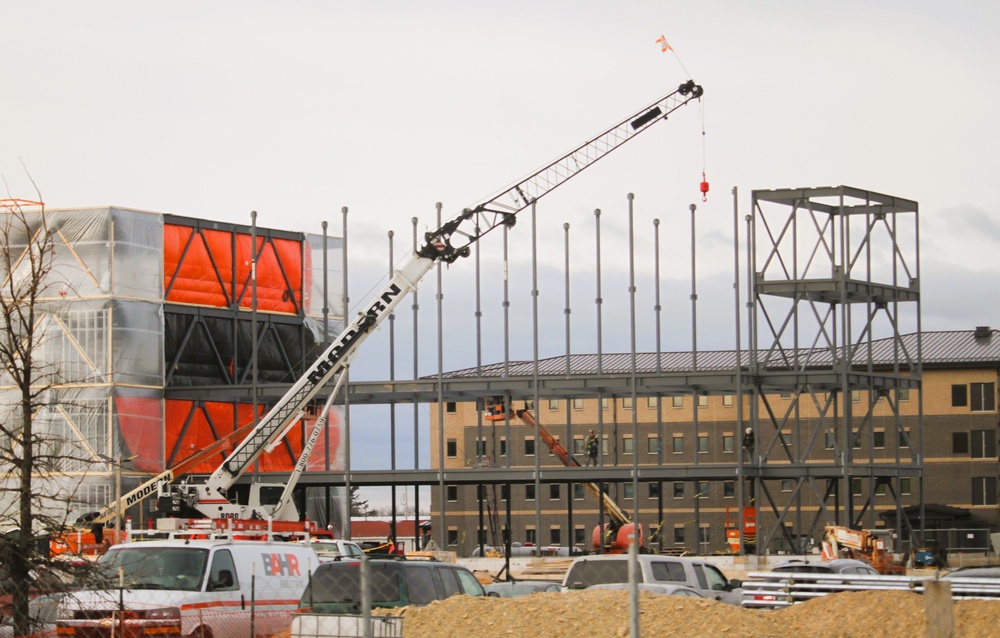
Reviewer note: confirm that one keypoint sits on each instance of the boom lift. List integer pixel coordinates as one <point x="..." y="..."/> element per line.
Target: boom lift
<point x="865" y="545"/>
<point x="614" y="536"/>
<point x="446" y="244"/>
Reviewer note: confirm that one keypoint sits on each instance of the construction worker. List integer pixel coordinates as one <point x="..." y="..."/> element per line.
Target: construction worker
<point x="591" y="447"/>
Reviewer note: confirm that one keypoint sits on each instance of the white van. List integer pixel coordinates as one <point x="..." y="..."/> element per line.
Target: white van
<point x="197" y="588"/>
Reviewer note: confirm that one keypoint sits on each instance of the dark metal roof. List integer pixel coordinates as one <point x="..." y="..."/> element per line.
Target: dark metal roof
<point x="979" y="346"/>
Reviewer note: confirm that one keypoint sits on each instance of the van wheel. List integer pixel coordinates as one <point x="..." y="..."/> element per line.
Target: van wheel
<point x="201" y="632"/>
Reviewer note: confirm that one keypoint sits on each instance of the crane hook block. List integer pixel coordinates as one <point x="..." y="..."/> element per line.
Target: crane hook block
<point x="704" y="188"/>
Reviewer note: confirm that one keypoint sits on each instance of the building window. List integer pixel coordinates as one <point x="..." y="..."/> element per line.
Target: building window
<point x="652" y="402"/>
<point x="452" y="536"/>
<point x="881" y="489"/>
<point x="830" y="440"/>
<point x="654" y="490"/>
<point x="529" y="446"/>
<point x="529" y="492"/>
<point x="678" y="534"/>
<point x="629" y="490"/>
<point x="530" y="536"/>
<point x="555" y="535"/>
<point x="452" y="491"/>
<point x="904" y="438"/>
<point x="554" y="492"/>
<point x="728" y="443"/>
<point x="578" y="445"/>
<point x="856" y="396"/>
<point x="450" y="407"/>
<point x="728" y="489"/>
<point x="703" y="489"/>
<point x="577" y="404"/>
<point x="579" y="535"/>
<point x="653" y="444"/>
<point x="677" y="402"/>
<point x="577" y="492"/>
<point x="902" y="394"/>
<point x="481" y="537"/>
<point x="727" y="400"/>
<point x="628" y="445"/>
<point x="503" y="447"/>
<point x="787" y="485"/>
<point x="704" y="535"/>
<point x="959" y="396"/>
<point x="702" y="444"/>
<point x="604" y="403"/>
<point x="627" y="403"/>
<point x="905" y="488"/>
<point x="481" y="447"/>
<point x="879" y="437"/>
<point x="452" y="448"/>
<point x="856" y="487"/>
<point x="504" y="492"/>
<point x="983" y="397"/>
<point x="984" y="444"/>
<point x="984" y="490"/>
<point x="703" y="401"/>
<point x="678" y="442"/>
<point x="785" y="395"/>
<point x="679" y="489"/>
<point x="553" y="405"/>
<point x="959" y="442"/>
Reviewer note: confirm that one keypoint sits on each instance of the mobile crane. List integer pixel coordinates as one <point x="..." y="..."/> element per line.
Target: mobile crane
<point x="614" y="537"/>
<point x="866" y="545"/>
<point x="211" y="497"/>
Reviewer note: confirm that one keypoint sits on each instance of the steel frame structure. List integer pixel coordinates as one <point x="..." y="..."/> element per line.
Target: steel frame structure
<point x="831" y="267"/>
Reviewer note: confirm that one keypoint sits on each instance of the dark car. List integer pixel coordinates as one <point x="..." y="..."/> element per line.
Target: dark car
<point x="516" y="588"/>
<point x="335" y="587"/>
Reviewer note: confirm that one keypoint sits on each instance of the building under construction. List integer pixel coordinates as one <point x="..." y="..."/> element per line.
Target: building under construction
<point x="832" y="406"/>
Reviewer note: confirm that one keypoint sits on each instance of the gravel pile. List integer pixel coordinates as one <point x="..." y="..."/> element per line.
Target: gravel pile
<point x="600" y="614"/>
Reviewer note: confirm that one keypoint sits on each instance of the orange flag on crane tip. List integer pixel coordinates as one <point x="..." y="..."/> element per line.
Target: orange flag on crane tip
<point x="664" y="45"/>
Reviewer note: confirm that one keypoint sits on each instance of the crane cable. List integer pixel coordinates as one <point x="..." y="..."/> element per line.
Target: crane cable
<point x="664" y="47"/>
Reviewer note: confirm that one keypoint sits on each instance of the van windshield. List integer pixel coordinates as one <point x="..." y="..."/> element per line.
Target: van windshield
<point x="138" y="567"/>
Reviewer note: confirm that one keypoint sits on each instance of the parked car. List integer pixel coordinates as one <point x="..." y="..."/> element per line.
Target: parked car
<point x="335" y="587"/>
<point x="836" y="566"/>
<point x="697" y="573"/>
<point x="798" y="580"/>
<point x="653" y="588"/>
<point x="336" y="549"/>
<point x="515" y="588"/>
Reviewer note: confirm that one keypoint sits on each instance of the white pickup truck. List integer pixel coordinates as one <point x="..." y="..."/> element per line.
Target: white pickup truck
<point x="696" y="573"/>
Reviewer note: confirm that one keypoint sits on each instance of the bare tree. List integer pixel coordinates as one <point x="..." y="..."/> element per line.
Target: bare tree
<point x="28" y="452"/>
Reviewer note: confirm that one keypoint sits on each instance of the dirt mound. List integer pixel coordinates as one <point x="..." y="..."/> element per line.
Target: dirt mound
<point x="600" y="614"/>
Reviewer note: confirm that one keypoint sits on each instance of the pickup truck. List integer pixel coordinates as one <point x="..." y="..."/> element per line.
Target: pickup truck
<point x="696" y="573"/>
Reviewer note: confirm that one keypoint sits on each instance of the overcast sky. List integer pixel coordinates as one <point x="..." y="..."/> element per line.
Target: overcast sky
<point x="296" y="109"/>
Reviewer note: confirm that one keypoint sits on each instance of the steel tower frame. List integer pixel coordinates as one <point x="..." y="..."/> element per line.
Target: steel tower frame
<point x="833" y="269"/>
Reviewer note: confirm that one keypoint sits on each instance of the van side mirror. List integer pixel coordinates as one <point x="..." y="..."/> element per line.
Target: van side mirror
<point x="735" y="583"/>
<point x="224" y="580"/>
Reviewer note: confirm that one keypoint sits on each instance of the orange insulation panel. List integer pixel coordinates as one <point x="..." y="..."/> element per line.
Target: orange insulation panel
<point x="200" y="268"/>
